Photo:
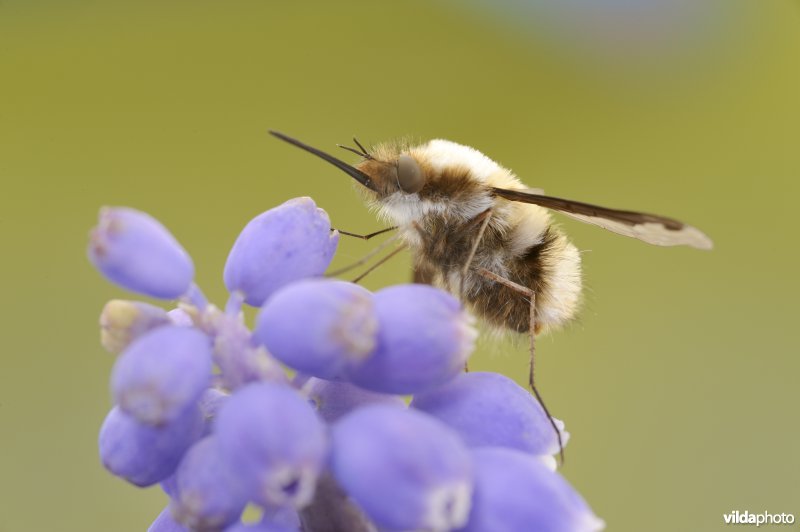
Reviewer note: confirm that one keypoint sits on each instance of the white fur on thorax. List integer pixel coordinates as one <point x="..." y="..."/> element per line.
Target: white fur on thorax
<point x="442" y="154"/>
<point x="526" y="223"/>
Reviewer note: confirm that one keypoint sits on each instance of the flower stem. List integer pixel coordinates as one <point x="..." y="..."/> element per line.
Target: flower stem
<point x="332" y="511"/>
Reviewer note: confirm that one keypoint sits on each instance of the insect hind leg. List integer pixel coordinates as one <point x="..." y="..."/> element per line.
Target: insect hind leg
<point x="531" y="295"/>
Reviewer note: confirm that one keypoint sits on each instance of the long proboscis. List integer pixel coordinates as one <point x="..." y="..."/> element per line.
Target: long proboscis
<point x="350" y="170"/>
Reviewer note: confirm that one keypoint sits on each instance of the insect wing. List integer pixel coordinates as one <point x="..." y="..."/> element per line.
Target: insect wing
<point x="650" y="228"/>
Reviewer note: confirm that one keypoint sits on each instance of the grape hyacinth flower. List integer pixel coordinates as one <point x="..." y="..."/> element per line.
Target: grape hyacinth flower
<point x="400" y="340"/>
<point x="429" y="468"/>
<point x="291" y="242"/>
<point x="281" y="521"/>
<point x="162" y="374"/>
<point x="143" y="454"/>
<point x="210" y="403"/>
<point x="274" y="443"/>
<point x="333" y="399"/>
<point x="514" y="491"/>
<point x="210" y="409"/>
<point x="207" y="494"/>
<point x="165" y="523"/>
<point x="424" y="340"/>
<point x="122" y="321"/>
<point x="491" y="410"/>
<point x="239" y="359"/>
<point x="319" y="327"/>
<point x="133" y="250"/>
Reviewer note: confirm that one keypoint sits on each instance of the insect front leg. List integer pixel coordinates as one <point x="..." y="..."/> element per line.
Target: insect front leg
<point x="531" y="295"/>
<point x="368" y="235"/>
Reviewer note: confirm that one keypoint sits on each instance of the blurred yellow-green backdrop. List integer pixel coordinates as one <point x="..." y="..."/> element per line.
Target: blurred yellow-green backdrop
<point x="678" y="383"/>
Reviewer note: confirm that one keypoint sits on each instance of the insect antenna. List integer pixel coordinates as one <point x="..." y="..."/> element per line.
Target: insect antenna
<point x="353" y="150"/>
<point x="363" y="153"/>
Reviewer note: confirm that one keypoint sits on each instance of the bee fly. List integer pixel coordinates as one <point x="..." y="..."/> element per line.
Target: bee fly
<point x="476" y="230"/>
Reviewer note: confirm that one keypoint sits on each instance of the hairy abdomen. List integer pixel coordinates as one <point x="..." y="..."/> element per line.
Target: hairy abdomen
<point x="550" y="267"/>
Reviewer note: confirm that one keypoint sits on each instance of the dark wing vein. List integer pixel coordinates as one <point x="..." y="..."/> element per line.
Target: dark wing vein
<point x="650" y="228"/>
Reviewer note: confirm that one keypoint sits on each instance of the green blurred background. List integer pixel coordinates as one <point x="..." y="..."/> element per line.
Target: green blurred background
<point x="679" y="381"/>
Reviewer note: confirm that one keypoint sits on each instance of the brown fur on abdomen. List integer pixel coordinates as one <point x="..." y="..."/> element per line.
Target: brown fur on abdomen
<point x="443" y="253"/>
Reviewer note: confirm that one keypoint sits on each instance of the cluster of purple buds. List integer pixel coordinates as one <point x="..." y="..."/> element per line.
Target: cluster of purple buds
<point x="305" y="417"/>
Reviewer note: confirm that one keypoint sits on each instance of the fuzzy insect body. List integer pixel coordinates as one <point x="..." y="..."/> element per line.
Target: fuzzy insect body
<point x="477" y="231"/>
<point x="440" y="224"/>
<point x="469" y="223"/>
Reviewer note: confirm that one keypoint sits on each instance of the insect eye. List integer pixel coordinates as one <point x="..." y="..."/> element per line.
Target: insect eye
<point x="409" y="174"/>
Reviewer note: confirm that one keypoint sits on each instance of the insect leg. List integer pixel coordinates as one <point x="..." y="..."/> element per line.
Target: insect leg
<point x="363" y="260"/>
<point x="483" y="218"/>
<point x="368" y="235"/>
<point x="384" y="259"/>
<point x="531" y="382"/>
<point x="422" y="274"/>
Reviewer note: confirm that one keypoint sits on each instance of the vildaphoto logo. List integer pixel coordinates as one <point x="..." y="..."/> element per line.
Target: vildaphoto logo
<point x="764" y="518"/>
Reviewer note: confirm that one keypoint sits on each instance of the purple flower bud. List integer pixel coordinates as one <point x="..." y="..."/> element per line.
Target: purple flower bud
<point x="290" y="242"/>
<point x="335" y="399"/>
<point x="133" y="250"/>
<point x="162" y="373"/>
<point x="319" y="327"/>
<point x="424" y="339"/>
<point x="122" y="321"/>
<point x="516" y="491"/>
<point x="142" y="454"/>
<point x="210" y="403"/>
<point x="165" y="523"/>
<point x="274" y="443"/>
<point x="406" y="470"/>
<point x="207" y="495"/>
<point x="491" y="410"/>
